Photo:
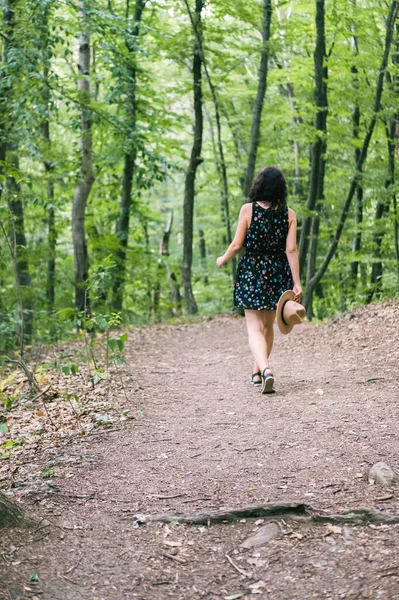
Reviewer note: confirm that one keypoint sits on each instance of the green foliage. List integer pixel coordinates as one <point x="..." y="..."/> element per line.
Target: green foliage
<point x="45" y="37"/>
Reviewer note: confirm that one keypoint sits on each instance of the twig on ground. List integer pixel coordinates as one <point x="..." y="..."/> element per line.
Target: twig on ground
<point x="70" y="580"/>
<point x="46" y="389"/>
<point x="175" y="558"/>
<point x="237" y="568"/>
<point x="71" y="569"/>
<point x="196" y="500"/>
<point x="170" y="497"/>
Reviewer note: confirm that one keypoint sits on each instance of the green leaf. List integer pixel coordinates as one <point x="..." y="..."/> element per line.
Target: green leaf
<point x="112" y="343"/>
<point x="3" y="428"/>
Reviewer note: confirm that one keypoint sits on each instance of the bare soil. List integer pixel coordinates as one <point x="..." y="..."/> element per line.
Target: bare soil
<point x="206" y="439"/>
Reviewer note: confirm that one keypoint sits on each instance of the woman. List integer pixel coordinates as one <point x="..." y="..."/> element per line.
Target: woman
<point x="267" y="229"/>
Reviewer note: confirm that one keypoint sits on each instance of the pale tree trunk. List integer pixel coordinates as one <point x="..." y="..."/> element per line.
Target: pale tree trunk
<point x="122" y="225"/>
<point x="311" y="285"/>
<point x="195" y="159"/>
<point x="86" y="174"/>
<point x="260" y="97"/>
<point x="311" y="222"/>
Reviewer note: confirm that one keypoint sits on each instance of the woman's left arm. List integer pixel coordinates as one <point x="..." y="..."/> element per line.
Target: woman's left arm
<point x="239" y="238"/>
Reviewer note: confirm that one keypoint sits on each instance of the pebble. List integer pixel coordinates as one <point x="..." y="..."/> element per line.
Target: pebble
<point x="382" y="474"/>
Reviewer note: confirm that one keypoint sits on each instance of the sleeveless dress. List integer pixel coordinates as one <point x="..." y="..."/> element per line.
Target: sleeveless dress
<point x="264" y="272"/>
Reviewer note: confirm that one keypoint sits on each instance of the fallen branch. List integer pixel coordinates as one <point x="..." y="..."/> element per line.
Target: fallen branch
<point x="287" y="510"/>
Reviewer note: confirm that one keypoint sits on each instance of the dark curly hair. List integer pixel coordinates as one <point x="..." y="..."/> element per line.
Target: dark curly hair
<point x="270" y="187"/>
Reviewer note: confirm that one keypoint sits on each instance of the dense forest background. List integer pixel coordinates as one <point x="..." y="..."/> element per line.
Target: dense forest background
<point x="130" y="132"/>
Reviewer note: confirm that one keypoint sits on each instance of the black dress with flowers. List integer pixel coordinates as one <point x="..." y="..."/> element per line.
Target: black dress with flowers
<point x="264" y="272"/>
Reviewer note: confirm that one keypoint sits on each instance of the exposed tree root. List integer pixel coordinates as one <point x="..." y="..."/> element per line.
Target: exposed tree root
<point x="287" y="510"/>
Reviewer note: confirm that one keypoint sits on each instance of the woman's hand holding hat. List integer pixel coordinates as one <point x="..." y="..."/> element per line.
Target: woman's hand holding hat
<point x="298" y="292"/>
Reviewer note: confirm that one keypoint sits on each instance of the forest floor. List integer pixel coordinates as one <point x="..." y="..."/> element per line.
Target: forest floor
<point x="206" y="439"/>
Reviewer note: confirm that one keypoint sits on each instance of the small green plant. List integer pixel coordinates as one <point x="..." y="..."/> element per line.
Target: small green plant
<point x="47" y="472"/>
<point x="70" y="369"/>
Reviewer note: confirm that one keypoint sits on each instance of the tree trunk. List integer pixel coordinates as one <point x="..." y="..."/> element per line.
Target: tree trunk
<point x="220" y="160"/>
<point x="288" y="91"/>
<point x="175" y="297"/>
<point x="310" y="223"/>
<point x="20" y="252"/>
<point x="49" y="167"/>
<point x="362" y="157"/>
<point x="18" y="245"/>
<point x="357" y="238"/>
<point x="395" y="85"/>
<point x="202" y="246"/>
<point x="86" y="175"/>
<point x="260" y="97"/>
<point x="10" y="514"/>
<point x="382" y="209"/>
<point x="195" y="159"/>
<point x="122" y="225"/>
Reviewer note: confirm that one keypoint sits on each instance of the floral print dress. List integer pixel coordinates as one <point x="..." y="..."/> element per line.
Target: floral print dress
<point x="263" y="272"/>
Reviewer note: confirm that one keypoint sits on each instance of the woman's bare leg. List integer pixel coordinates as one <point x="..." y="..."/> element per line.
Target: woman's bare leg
<point x="268" y="317"/>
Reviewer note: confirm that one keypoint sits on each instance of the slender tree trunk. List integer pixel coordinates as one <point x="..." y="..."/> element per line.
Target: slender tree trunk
<point x="220" y="159"/>
<point x="382" y="209"/>
<point x="227" y="238"/>
<point x="310" y="223"/>
<point x="288" y="91"/>
<point x="86" y="174"/>
<point x="362" y="157"/>
<point x="122" y="225"/>
<point x="49" y="167"/>
<point x="175" y="297"/>
<point x="9" y="150"/>
<point x="260" y="97"/>
<point x="357" y="237"/>
<point x="19" y="246"/>
<point x="202" y="246"/>
<point x="195" y="159"/>
<point x="395" y="85"/>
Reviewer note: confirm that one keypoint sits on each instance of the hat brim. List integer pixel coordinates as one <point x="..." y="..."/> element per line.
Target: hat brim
<point x="283" y="327"/>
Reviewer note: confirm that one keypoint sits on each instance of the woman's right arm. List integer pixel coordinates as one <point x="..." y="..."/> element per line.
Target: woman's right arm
<point x="292" y="254"/>
<point x="244" y="221"/>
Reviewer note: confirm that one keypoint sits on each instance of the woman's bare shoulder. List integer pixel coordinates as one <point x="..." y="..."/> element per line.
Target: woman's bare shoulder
<point x="246" y="209"/>
<point x="291" y="214"/>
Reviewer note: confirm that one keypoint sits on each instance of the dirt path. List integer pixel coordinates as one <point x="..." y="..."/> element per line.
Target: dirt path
<point x="207" y="439"/>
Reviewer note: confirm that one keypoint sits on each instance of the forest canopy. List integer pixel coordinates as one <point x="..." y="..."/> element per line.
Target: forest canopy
<point x="130" y="133"/>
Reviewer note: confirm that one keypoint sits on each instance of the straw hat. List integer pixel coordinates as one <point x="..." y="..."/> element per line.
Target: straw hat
<point x="289" y="312"/>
